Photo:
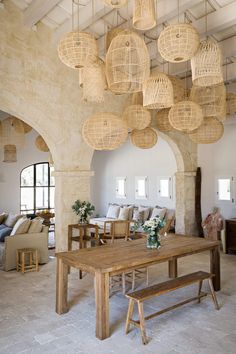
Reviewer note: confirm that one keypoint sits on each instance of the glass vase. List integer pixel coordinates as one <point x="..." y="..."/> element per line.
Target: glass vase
<point x="153" y="241"/>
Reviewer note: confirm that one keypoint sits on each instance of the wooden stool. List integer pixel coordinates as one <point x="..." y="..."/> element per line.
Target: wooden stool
<point x="33" y="264"/>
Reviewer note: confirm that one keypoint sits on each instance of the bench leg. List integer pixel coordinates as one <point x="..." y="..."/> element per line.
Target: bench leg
<point x="123" y="283"/>
<point x="129" y="315"/>
<point x="199" y="290"/>
<point x="213" y="294"/>
<point x="142" y="322"/>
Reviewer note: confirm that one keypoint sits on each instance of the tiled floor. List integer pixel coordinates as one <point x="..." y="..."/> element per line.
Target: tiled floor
<point x="29" y="324"/>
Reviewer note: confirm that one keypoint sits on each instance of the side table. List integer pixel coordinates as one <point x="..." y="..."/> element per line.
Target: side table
<point x="21" y="261"/>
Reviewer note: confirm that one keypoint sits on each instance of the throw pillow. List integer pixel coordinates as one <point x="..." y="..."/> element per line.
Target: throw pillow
<point x="36" y="226"/>
<point x="3" y="216"/>
<point x="113" y="211"/>
<point x="21" y="226"/>
<point x="12" y="219"/>
<point x="138" y="215"/>
<point x="146" y="211"/>
<point x="4" y="233"/>
<point x="158" y="212"/>
<point x="124" y="213"/>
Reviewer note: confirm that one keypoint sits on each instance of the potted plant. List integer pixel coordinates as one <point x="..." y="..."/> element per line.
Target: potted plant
<point x="83" y="209"/>
<point x="152" y="228"/>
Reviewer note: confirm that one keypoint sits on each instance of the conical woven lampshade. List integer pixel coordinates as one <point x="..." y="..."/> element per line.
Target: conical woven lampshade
<point x="13" y="132"/>
<point x="186" y="116"/>
<point x="144" y="139"/>
<point x="94" y="82"/>
<point x="116" y="3"/>
<point x="206" y="64"/>
<point x="104" y="131"/>
<point x="127" y="63"/>
<point x="158" y="92"/>
<point x="178" y="43"/>
<point x="40" y="144"/>
<point x="144" y="14"/>
<point x="178" y="88"/>
<point x="210" y="131"/>
<point x="10" y="154"/>
<point x="162" y="120"/>
<point x="112" y="33"/>
<point x="137" y="117"/>
<point x="77" y="49"/>
<point x="231" y="103"/>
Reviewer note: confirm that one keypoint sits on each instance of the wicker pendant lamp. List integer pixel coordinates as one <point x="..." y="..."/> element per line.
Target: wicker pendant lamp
<point x="18" y="126"/>
<point x="144" y="15"/>
<point x="94" y="82"/>
<point x="144" y="139"/>
<point x="10" y="154"/>
<point x="112" y="33"/>
<point x="185" y="116"/>
<point x="40" y="144"/>
<point x="127" y="63"/>
<point x="158" y="92"/>
<point x="137" y="117"/>
<point x="162" y="121"/>
<point x="116" y="4"/>
<point x="13" y="132"/>
<point x="231" y="103"/>
<point x="178" y="88"/>
<point x="210" y="131"/>
<point x="104" y="131"/>
<point x="178" y="43"/>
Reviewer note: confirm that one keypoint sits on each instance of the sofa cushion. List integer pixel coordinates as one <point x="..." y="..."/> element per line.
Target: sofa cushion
<point x="113" y="211"/>
<point x="12" y="219"/>
<point x="36" y="225"/>
<point x="138" y="215"/>
<point x="21" y="226"/>
<point x="6" y="231"/>
<point x="124" y="213"/>
<point x="3" y="216"/>
<point x="2" y="226"/>
<point x="146" y="212"/>
<point x="158" y="212"/>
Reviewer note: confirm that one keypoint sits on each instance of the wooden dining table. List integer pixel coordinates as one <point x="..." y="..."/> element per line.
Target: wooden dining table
<point x="109" y="260"/>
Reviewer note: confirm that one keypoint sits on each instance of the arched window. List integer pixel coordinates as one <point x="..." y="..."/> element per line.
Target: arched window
<point x="37" y="188"/>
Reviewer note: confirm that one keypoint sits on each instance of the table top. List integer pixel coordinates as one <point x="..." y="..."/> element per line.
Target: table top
<point x="130" y="254"/>
<point x="78" y="226"/>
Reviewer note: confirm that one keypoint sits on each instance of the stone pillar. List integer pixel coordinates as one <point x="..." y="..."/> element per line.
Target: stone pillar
<point x="69" y="186"/>
<point x="185" y="203"/>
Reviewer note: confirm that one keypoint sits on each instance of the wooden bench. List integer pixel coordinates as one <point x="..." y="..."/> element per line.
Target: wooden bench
<point x="159" y="289"/>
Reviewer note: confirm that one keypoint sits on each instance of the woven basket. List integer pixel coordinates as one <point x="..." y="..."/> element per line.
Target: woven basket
<point x="137" y="98"/>
<point x="18" y="126"/>
<point x="127" y="63"/>
<point x="40" y="144"/>
<point x="178" y="43"/>
<point x="144" y="15"/>
<point x="116" y="3"/>
<point x="137" y="117"/>
<point x="104" y="131"/>
<point x="12" y="132"/>
<point x="144" y="139"/>
<point x="178" y="88"/>
<point x="206" y="64"/>
<point x="212" y="100"/>
<point x="10" y="154"/>
<point x="210" y="131"/>
<point x="162" y="120"/>
<point x="231" y="103"/>
<point x="158" y="92"/>
<point x="77" y="49"/>
<point x="186" y="116"/>
<point x="94" y="82"/>
<point x="112" y="33"/>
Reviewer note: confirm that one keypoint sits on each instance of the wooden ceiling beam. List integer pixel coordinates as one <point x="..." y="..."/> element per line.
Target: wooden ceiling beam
<point x="37" y="10"/>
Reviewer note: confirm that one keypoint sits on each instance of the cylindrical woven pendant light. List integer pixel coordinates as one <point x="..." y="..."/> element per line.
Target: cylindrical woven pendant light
<point x="162" y="120"/>
<point x="186" y="116"/>
<point x="40" y="144"/>
<point x="144" y="17"/>
<point x="112" y="33"/>
<point x="144" y="139"/>
<point x="137" y="117"/>
<point x="94" y="82"/>
<point x="127" y="63"/>
<point x="178" y="43"/>
<point x="231" y="103"/>
<point x="116" y="3"/>
<point x="210" y="131"/>
<point x="158" y="92"/>
<point x="77" y="49"/>
<point x="13" y="132"/>
<point x="178" y="88"/>
<point x="104" y="131"/>
<point x="206" y="64"/>
<point x="10" y="154"/>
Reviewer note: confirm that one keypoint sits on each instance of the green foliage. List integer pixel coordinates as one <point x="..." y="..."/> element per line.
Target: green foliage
<point x="83" y="209"/>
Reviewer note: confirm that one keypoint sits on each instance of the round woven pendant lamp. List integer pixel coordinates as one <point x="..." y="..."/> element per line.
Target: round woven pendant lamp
<point x="206" y="64"/>
<point x="13" y="132"/>
<point x="144" y="139"/>
<point x="137" y="117"/>
<point x="77" y="49"/>
<point x="104" y="131"/>
<point x="186" y="116"/>
<point x="210" y="131"/>
<point x="158" y="92"/>
<point x="112" y="33"/>
<point x="10" y="154"/>
<point x="94" y="82"/>
<point x="162" y="120"/>
<point x="179" y="91"/>
<point x="117" y="4"/>
<point x="127" y="63"/>
<point x="40" y="144"/>
<point x="144" y="15"/>
<point x="231" y="103"/>
<point x="178" y="43"/>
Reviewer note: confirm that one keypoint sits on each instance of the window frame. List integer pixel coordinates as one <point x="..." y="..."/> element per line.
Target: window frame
<point x="231" y="199"/>
<point x="170" y="187"/>
<point x="121" y="196"/>
<point x="145" y="178"/>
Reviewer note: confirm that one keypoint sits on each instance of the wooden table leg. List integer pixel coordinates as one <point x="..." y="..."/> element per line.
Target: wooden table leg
<point x="61" y="287"/>
<point x="215" y="267"/>
<point x="82" y="232"/>
<point x="173" y="268"/>
<point x="102" y="305"/>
